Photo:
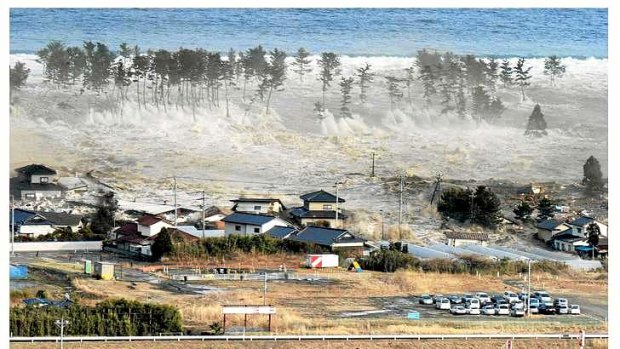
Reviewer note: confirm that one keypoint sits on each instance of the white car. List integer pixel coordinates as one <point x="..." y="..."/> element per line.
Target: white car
<point x="561" y="309"/>
<point x="483" y="297"/>
<point x="437" y="297"/>
<point x="517" y="312"/>
<point x="443" y="303"/>
<point x="488" y="310"/>
<point x="510" y="297"/>
<point x="473" y="303"/>
<point x="560" y="301"/>
<point x="534" y="309"/>
<point x="535" y="302"/>
<point x="543" y="296"/>
<point x="517" y="305"/>
<point x="425" y="299"/>
<point x="574" y="309"/>
<point x="458" y="310"/>
<point x="473" y="311"/>
<point x="502" y="309"/>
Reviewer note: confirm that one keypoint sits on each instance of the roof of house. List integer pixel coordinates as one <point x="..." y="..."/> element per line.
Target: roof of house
<point x="127" y="229"/>
<point x="148" y="220"/>
<point x="280" y="232"/>
<point x="325" y="236"/>
<point x="302" y="212"/>
<point x="320" y="196"/>
<point x="565" y="234"/>
<point x="176" y="233"/>
<point x="36" y="169"/>
<point x="199" y="233"/>
<point x="20" y="215"/>
<point x="569" y="238"/>
<point x="61" y="218"/>
<point x="467" y="236"/>
<point x="549" y="224"/>
<point x="248" y="218"/>
<point x="214" y="210"/>
<point x="582" y="221"/>
<point x="135" y="239"/>
<point x="256" y="200"/>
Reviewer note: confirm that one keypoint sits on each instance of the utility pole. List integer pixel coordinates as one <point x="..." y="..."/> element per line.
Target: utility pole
<point x="265" y="290"/>
<point x="203" y="214"/>
<point x="372" y="173"/>
<point x="175" y="200"/>
<point x="529" y="286"/>
<point x="382" y="225"/>
<point x="12" y="226"/>
<point x="337" y="200"/>
<point x="61" y="323"/>
<point x="400" y="207"/>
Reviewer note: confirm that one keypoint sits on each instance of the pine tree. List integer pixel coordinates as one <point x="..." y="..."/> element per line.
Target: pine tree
<point x="554" y="68"/>
<point x="428" y="80"/>
<point x="409" y="78"/>
<point x="55" y="59"/>
<point x="593" y="233"/>
<point x="345" y="88"/>
<point x="536" y="124"/>
<point x="275" y="74"/>
<point x="330" y="67"/>
<point x="162" y="244"/>
<point x="592" y="176"/>
<point x="394" y="90"/>
<point x="546" y="208"/>
<point x="487" y="208"/>
<point x="365" y="78"/>
<point x="492" y="74"/>
<point x="301" y="63"/>
<point x="523" y="210"/>
<point x="522" y="76"/>
<point x="505" y="74"/>
<point x="18" y="74"/>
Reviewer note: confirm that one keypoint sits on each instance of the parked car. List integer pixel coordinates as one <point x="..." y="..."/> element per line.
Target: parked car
<point x="543" y="296"/>
<point x="483" y="297"/>
<point x="545" y="309"/>
<point x="510" y="297"/>
<point x="560" y="301"/>
<point x="466" y="297"/>
<point x="561" y="309"/>
<point x="458" y="310"/>
<point x="488" y="310"/>
<point x="533" y="309"/>
<point x="473" y="311"/>
<point x="437" y="297"/>
<point x="502" y="309"/>
<point x="496" y="298"/>
<point x="534" y="302"/>
<point x="425" y="299"/>
<point x="454" y="299"/>
<point x="473" y="303"/>
<point x="574" y="309"/>
<point x="523" y="296"/>
<point x="518" y="305"/>
<point x="517" y="312"/>
<point x="443" y="303"/>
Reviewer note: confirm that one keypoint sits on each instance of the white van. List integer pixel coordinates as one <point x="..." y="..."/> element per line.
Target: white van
<point x="474" y="303"/>
<point x="443" y="303"/>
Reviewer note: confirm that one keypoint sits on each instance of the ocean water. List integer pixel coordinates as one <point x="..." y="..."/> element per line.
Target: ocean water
<point x="578" y="33"/>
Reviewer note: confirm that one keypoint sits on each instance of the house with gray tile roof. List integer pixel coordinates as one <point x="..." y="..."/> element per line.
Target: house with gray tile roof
<point x="250" y="224"/>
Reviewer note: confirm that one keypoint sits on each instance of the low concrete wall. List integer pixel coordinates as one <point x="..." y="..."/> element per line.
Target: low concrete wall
<point x="58" y="246"/>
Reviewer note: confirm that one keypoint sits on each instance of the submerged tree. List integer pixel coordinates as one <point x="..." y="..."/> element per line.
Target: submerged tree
<point x="394" y="90"/>
<point x="523" y="210"/>
<point x="345" y="87"/>
<point x="55" y="59"/>
<point x="275" y="74"/>
<point x="18" y="74"/>
<point x="365" y="78"/>
<point x="554" y="68"/>
<point x="330" y="67"/>
<point x="486" y="208"/>
<point x="492" y="73"/>
<point x="428" y="81"/>
<point x="592" y="176"/>
<point x="522" y="76"/>
<point x="301" y="63"/>
<point x="536" y="124"/>
<point x="505" y="74"/>
<point x="546" y="208"/>
<point x="102" y="221"/>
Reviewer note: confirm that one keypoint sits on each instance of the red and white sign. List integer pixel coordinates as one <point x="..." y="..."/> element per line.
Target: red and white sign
<point x="322" y="260"/>
<point x="250" y="309"/>
<point x="316" y="261"/>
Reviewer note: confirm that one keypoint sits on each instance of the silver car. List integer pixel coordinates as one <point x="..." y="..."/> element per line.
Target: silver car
<point x="561" y="309"/>
<point x="517" y="312"/>
<point x="488" y="310"/>
<point x="574" y="309"/>
<point x="502" y="309"/>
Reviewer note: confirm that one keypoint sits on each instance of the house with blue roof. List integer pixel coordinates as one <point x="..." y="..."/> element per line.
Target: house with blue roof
<point x="250" y="224"/>
<point x="580" y="226"/>
<point x="36" y="223"/>
<point x="319" y="207"/>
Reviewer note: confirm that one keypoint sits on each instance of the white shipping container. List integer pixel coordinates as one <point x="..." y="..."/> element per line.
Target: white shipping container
<point x="322" y="261"/>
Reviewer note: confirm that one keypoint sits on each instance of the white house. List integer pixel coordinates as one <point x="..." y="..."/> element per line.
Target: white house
<point x="34" y="224"/>
<point x="151" y="225"/>
<point x="250" y="224"/>
<point x="258" y="205"/>
<point x="35" y="182"/>
<point x="580" y="226"/>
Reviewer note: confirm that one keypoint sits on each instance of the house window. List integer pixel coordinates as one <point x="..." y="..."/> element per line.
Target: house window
<point x="237" y="228"/>
<point x="578" y="230"/>
<point x="327" y="207"/>
<point x="29" y="196"/>
<point x="256" y="230"/>
<point x="257" y="208"/>
<point x="44" y="179"/>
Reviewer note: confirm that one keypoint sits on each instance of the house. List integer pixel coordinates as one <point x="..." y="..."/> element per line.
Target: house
<point x="250" y="224"/>
<point x="580" y="226"/>
<point x="35" y="182"/>
<point x="36" y="223"/>
<point x="319" y="206"/>
<point x="258" y="205"/>
<point x="199" y="233"/>
<point x="151" y="225"/>
<point x="548" y="228"/>
<point x="214" y="215"/>
<point x="280" y="232"/>
<point x="330" y="238"/>
<point x="131" y="240"/>
<point x="463" y="238"/>
<point x="568" y="242"/>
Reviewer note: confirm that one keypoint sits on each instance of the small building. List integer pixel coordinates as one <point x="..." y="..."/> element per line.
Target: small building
<point x="258" y="205"/>
<point x="330" y="238"/>
<point x="250" y="224"/>
<point x="35" y="182"/>
<point x="104" y="270"/>
<point x="151" y="225"/>
<point x="463" y="238"/>
<point x="580" y="226"/>
<point x="549" y="228"/>
<point x="319" y="207"/>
